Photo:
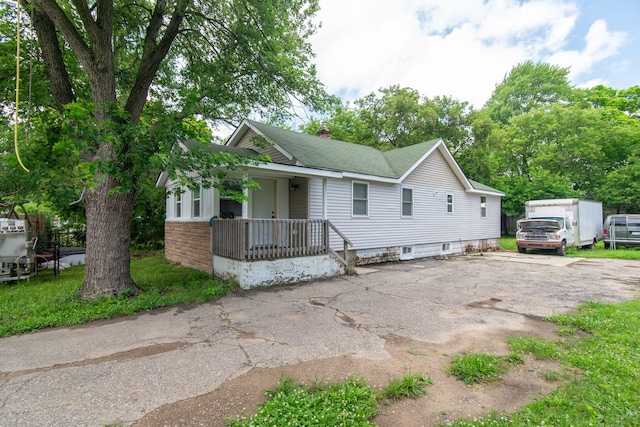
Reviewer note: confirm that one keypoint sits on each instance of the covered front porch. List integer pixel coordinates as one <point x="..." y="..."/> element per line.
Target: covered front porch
<point x="265" y="252"/>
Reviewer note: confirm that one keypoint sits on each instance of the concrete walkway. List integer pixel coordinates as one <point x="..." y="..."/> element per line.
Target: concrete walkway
<point x="118" y="371"/>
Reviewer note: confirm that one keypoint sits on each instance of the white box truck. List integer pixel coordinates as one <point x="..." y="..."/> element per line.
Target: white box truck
<point x="558" y="224"/>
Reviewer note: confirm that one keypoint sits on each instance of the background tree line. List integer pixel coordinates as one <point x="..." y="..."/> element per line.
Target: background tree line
<point x="537" y="137"/>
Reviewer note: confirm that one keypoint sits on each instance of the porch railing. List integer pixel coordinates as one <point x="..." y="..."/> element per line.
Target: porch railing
<point x="265" y="239"/>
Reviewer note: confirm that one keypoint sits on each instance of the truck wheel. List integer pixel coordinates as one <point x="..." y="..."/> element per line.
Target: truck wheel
<point x="591" y="246"/>
<point x="522" y="250"/>
<point x="562" y="250"/>
<point x="606" y="245"/>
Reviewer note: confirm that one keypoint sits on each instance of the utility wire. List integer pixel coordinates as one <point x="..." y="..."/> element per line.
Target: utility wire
<point x="15" y="127"/>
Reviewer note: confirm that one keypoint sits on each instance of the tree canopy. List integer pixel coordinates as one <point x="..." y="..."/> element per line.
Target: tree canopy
<point x="127" y="80"/>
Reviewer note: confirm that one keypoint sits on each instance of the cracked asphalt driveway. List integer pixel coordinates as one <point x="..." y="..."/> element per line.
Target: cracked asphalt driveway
<point x="120" y="370"/>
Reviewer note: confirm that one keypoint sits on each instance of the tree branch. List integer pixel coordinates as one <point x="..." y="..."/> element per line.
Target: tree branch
<point x="61" y="86"/>
<point x="68" y="31"/>
<point x="153" y="55"/>
<point x="85" y="16"/>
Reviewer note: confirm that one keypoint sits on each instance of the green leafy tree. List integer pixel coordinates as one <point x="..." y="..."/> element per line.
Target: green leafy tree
<point x="625" y="100"/>
<point x="217" y="60"/>
<point x="571" y="138"/>
<point x="398" y="117"/>
<point x="478" y="157"/>
<point x="562" y="144"/>
<point x="538" y="184"/>
<point x="343" y="122"/>
<point x="621" y="189"/>
<point x="528" y="86"/>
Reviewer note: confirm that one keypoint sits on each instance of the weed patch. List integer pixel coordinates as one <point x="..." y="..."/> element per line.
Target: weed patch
<point x="350" y="403"/>
<point x="481" y="367"/>
<point x="410" y="385"/>
<point x="539" y="348"/>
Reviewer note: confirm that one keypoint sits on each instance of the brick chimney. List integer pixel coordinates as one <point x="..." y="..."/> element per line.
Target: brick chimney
<point x="324" y="132"/>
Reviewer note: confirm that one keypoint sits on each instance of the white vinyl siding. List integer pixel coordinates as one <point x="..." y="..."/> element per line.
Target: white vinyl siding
<point x="299" y="198"/>
<point x="383" y="228"/>
<point x="434" y="172"/>
<point x="407" y="202"/>
<point x="316" y="208"/>
<point x="276" y="156"/>
<point x="360" y="199"/>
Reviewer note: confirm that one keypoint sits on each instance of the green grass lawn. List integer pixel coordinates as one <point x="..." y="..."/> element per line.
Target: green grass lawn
<point x="600" y="373"/>
<point x="52" y="301"/>
<point x="508" y="243"/>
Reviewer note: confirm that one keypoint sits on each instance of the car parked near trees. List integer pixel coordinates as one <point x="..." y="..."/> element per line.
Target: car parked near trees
<point x="621" y="230"/>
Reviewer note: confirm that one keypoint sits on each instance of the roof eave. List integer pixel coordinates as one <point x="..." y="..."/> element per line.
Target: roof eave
<point x="163" y="177"/>
<point x="486" y="192"/>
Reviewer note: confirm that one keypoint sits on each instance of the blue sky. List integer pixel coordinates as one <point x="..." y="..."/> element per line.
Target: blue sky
<point x="464" y="48"/>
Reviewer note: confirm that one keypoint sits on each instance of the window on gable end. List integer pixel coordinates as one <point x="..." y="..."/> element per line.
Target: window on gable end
<point x="450" y="203"/>
<point x="483" y="206"/>
<point x="360" y="199"/>
<point x="407" y="202"/>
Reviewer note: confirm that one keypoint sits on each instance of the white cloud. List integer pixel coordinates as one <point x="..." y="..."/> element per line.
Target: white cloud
<point x="459" y="48"/>
<point x="600" y="45"/>
<point x="592" y="83"/>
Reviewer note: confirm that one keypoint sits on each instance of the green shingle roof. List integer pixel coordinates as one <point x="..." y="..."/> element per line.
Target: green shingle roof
<point x="244" y="152"/>
<point x="330" y="154"/>
<point x="479" y="186"/>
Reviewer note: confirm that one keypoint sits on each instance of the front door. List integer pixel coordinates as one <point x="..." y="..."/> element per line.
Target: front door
<point x="263" y="206"/>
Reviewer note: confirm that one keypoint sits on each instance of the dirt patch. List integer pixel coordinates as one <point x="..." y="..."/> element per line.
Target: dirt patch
<point x="447" y="398"/>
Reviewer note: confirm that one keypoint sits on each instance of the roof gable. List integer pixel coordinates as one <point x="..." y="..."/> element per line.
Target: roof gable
<point x="333" y="155"/>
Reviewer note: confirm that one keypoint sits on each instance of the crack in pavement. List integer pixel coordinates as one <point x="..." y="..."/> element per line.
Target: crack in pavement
<point x="491" y="304"/>
<point x="344" y="318"/>
<point x="241" y="334"/>
<point x="136" y="353"/>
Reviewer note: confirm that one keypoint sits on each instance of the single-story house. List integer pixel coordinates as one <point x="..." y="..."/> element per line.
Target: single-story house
<point x="324" y="205"/>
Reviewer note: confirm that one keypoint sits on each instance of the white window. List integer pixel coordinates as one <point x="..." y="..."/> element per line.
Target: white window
<point x="195" y="200"/>
<point x="407" y="202"/>
<point x="178" y="198"/>
<point x="450" y="203"/>
<point x="483" y="206"/>
<point x="360" y="199"/>
<point x="407" y="253"/>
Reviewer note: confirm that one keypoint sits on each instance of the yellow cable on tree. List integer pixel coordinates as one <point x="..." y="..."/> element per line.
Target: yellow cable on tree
<point x="15" y="128"/>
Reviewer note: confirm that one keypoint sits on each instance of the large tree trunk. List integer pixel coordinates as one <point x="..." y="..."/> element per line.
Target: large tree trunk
<point x="90" y="36"/>
<point x="107" y="269"/>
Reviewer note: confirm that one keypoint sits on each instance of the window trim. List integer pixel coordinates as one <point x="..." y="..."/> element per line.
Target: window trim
<point x="449" y="204"/>
<point x="403" y="202"/>
<point x="353" y="199"/>
<point x="195" y="199"/>
<point x="483" y="207"/>
<point x="177" y="213"/>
